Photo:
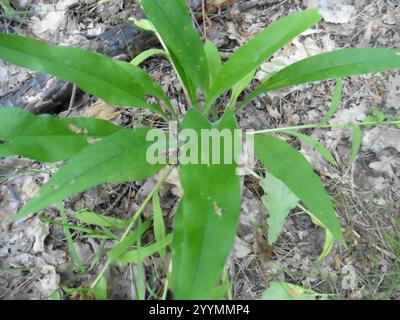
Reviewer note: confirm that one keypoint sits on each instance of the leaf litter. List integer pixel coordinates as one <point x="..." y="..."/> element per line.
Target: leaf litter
<point x="301" y="242"/>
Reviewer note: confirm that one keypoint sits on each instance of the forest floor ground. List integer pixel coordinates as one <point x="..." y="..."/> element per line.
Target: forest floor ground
<point x="34" y="256"/>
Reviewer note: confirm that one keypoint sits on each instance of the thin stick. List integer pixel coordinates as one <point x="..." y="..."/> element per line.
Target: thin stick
<point x="203" y="9"/>
<point x="72" y="101"/>
<point x="321" y="126"/>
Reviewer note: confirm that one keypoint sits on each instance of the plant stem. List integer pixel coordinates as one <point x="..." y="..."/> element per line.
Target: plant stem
<point x="322" y="126"/>
<point x="132" y="223"/>
<point x="77" y="260"/>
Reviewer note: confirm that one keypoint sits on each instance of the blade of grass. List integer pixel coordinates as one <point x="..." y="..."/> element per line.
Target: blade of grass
<point x="71" y="246"/>
<point x="140" y="58"/>
<point x="124" y="245"/>
<point x="337" y="96"/>
<point x="158" y="221"/>
<point x="329" y="65"/>
<point x="319" y="147"/>
<point x="132" y="223"/>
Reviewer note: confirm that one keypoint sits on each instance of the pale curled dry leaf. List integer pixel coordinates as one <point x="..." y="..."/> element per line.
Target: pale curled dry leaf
<point x="101" y="110"/>
<point x="241" y="248"/>
<point x="49" y="17"/>
<point x="393" y="98"/>
<point x="334" y="11"/>
<point x="380" y="138"/>
<point x="49" y="282"/>
<point x="385" y="165"/>
<point x="290" y="54"/>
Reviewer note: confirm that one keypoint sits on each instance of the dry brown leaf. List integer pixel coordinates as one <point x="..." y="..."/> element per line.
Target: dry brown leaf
<point x="101" y="110"/>
<point x="385" y="165"/>
<point x="262" y="249"/>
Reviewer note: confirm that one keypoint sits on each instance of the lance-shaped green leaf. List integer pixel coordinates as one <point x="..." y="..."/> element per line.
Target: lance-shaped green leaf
<point x="207" y="218"/>
<point x="331" y="65"/>
<point x="116" y="82"/>
<point x="142" y="57"/>
<point x="319" y="147"/>
<point x="288" y="165"/>
<point x="213" y="58"/>
<point x="101" y="220"/>
<point x="7" y="7"/>
<point x="239" y="87"/>
<point x="174" y="25"/>
<point x="117" y="158"/>
<point x="140" y="253"/>
<point x="47" y="138"/>
<point x="158" y="221"/>
<point x="123" y="246"/>
<point x="100" y="290"/>
<point x="337" y="96"/>
<point x="249" y="57"/>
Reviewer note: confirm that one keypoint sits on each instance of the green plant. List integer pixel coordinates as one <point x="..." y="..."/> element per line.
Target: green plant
<point x="98" y="152"/>
<point x="6" y="7"/>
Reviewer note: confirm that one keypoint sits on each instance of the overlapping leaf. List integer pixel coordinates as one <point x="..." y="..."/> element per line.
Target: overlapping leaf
<point x="118" y="158"/>
<point x="135" y="256"/>
<point x="337" y="96"/>
<point x="185" y="47"/>
<point x="46" y="138"/>
<point x="100" y="220"/>
<point x="279" y="200"/>
<point x="289" y="166"/>
<point x="331" y="65"/>
<point x="206" y="220"/>
<point x="213" y="58"/>
<point x="116" y="82"/>
<point x="319" y="147"/>
<point x="123" y="246"/>
<point x="249" y="57"/>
